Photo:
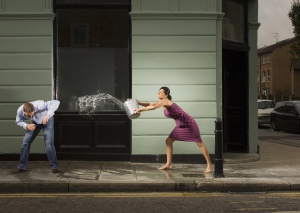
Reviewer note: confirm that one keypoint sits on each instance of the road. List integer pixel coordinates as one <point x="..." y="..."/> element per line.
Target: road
<point x="282" y="137"/>
<point x="151" y="202"/>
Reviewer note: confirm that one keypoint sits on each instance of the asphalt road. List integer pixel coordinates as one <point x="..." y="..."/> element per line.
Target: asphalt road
<point x="282" y="137"/>
<point x="151" y="202"/>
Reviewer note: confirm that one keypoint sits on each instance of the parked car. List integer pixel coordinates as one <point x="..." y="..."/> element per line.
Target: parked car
<point x="286" y="116"/>
<point x="264" y="109"/>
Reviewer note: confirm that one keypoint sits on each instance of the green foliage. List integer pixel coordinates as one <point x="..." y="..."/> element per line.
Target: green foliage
<point x="294" y="16"/>
<point x="295" y="49"/>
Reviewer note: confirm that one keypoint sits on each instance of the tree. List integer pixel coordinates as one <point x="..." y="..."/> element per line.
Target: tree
<point x="294" y="16"/>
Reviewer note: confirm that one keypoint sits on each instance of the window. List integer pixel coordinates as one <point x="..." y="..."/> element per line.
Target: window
<point x="298" y="106"/>
<point x="264" y="76"/>
<point x="279" y="107"/>
<point x="268" y="58"/>
<point x="93" y="58"/>
<point x="258" y="60"/>
<point x="268" y="76"/>
<point x="265" y="92"/>
<point x="80" y="35"/>
<point x="290" y="108"/>
<point x="234" y="20"/>
<point x="265" y="104"/>
<point x="264" y="59"/>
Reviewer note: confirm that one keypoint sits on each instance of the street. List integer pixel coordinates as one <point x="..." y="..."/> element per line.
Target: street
<point x="282" y="137"/>
<point x="152" y="202"/>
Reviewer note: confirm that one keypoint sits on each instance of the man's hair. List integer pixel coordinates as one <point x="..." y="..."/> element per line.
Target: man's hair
<point x="28" y="108"/>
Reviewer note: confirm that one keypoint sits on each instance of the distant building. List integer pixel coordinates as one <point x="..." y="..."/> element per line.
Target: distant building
<point x="278" y="73"/>
<point x="295" y="79"/>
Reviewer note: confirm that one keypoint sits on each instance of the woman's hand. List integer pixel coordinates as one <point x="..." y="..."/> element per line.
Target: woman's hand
<point x="138" y="101"/>
<point x="138" y="111"/>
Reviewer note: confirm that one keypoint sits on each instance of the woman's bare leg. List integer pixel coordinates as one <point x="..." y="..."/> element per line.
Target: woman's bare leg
<point x="204" y="150"/>
<point x="169" y="152"/>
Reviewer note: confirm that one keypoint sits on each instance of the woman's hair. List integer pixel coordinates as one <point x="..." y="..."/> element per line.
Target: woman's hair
<point x="167" y="92"/>
<point x="28" y="108"/>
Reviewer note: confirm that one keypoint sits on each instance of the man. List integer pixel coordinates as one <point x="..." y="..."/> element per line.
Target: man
<point x="41" y="114"/>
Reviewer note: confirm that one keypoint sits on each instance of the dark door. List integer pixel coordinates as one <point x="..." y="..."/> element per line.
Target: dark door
<point x="235" y="100"/>
<point x="92" y="79"/>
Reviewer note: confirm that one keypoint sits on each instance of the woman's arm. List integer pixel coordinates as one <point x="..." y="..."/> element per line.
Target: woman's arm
<point x="145" y="104"/>
<point x="152" y="106"/>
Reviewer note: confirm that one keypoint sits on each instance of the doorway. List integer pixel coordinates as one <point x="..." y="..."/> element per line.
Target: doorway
<point x="235" y="100"/>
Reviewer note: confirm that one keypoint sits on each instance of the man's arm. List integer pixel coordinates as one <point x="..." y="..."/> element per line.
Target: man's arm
<point x="52" y="107"/>
<point x="20" y="118"/>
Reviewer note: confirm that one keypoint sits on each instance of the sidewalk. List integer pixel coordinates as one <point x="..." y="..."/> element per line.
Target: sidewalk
<point x="276" y="169"/>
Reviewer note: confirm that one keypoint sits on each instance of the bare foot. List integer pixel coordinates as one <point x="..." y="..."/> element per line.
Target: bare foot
<point x="209" y="169"/>
<point x="166" y="167"/>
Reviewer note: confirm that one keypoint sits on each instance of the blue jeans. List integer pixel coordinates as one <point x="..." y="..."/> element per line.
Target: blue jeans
<point x="48" y="139"/>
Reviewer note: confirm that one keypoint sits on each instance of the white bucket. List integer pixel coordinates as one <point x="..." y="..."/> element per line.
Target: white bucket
<point x="130" y="106"/>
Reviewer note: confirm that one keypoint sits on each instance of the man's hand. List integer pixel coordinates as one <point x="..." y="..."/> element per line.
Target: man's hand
<point x="45" y="119"/>
<point x="31" y="127"/>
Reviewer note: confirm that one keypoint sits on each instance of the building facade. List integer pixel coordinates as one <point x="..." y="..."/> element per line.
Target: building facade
<point x="103" y="52"/>
<point x="277" y="72"/>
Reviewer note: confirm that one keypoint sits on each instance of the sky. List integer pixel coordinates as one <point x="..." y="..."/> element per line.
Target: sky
<point x="273" y="18"/>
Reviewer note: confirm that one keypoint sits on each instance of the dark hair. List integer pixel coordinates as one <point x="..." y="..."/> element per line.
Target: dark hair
<point x="167" y="92"/>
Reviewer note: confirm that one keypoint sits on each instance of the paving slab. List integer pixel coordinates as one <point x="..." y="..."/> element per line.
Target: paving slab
<point x="276" y="169"/>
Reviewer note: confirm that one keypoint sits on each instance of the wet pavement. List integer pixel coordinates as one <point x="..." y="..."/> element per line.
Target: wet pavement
<point x="276" y="168"/>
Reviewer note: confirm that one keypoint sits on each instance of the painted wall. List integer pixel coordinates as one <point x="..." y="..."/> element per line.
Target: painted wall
<point x="175" y="43"/>
<point x="26" y="64"/>
<point x="252" y="41"/>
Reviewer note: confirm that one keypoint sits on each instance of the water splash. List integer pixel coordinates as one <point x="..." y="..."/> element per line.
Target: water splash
<point x="90" y="104"/>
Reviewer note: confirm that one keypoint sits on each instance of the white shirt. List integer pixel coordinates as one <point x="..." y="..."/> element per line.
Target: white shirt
<point x="41" y="109"/>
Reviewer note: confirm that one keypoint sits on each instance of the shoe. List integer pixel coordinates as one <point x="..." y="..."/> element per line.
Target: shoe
<point x="18" y="170"/>
<point x="166" y="167"/>
<point x="55" y="171"/>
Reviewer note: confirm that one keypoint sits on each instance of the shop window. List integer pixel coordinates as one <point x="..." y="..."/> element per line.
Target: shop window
<point x="93" y="58"/>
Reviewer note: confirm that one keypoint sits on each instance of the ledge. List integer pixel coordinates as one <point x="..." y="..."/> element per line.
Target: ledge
<point x="27" y="16"/>
<point x="175" y="15"/>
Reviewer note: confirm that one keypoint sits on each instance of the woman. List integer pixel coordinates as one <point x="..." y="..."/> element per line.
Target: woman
<point x="186" y="127"/>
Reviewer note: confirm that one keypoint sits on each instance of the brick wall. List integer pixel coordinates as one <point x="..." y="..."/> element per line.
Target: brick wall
<point x="280" y="72"/>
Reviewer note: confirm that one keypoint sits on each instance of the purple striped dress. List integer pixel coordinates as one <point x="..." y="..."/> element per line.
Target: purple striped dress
<point x="186" y="127"/>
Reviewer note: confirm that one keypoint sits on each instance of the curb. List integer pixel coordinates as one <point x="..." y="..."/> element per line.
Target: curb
<point x="213" y="185"/>
<point x="235" y="158"/>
